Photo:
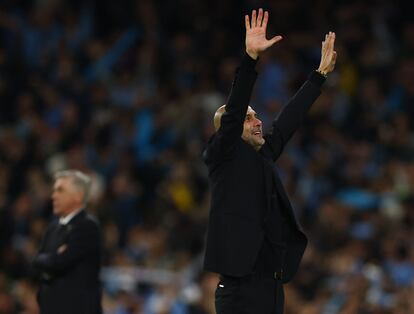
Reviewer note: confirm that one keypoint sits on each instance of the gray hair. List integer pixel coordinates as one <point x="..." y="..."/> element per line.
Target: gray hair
<point x="80" y="180"/>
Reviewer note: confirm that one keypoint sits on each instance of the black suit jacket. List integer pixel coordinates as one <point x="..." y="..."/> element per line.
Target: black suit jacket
<point x="70" y="280"/>
<point x="242" y="180"/>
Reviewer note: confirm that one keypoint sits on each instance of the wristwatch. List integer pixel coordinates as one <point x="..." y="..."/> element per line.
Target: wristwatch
<point x="323" y="73"/>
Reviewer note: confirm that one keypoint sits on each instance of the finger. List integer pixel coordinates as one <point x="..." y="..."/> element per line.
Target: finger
<point x="325" y="41"/>
<point x="247" y="22"/>
<point x="333" y="61"/>
<point x="333" y="38"/>
<point x="334" y="57"/>
<point x="329" y="36"/>
<point x="254" y="18"/>
<point x="265" y="19"/>
<point x="260" y="18"/>
<point x="275" y="40"/>
<point x="329" y="42"/>
<point x="324" y="46"/>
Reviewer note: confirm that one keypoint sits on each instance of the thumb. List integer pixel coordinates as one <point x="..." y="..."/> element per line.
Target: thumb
<point x="333" y="61"/>
<point x="274" y="40"/>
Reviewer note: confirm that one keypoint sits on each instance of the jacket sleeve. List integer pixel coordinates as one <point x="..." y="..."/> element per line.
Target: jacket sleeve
<point x="292" y="115"/>
<point x="231" y="127"/>
<point x="83" y="241"/>
<point x="35" y="271"/>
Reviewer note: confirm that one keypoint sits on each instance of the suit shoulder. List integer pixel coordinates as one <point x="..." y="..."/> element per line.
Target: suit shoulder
<point x="217" y="150"/>
<point x="91" y="219"/>
<point x="89" y="222"/>
<point x="207" y="153"/>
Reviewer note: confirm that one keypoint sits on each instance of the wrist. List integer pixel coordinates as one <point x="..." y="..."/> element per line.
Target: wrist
<point x="254" y="55"/>
<point x="322" y="72"/>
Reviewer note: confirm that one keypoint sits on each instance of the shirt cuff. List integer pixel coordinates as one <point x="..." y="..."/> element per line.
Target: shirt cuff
<point x="317" y="78"/>
<point x="248" y="61"/>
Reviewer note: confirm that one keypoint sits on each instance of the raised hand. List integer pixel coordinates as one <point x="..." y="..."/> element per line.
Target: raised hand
<point x="256" y="41"/>
<point x="62" y="248"/>
<point x="328" y="57"/>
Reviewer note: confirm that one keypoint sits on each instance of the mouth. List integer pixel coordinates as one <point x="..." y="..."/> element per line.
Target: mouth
<point x="257" y="133"/>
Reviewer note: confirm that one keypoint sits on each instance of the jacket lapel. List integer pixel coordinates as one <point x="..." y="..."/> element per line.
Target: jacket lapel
<point x="279" y="187"/>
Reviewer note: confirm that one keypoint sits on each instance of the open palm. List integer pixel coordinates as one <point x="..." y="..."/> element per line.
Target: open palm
<point x="256" y="41"/>
<point x="328" y="57"/>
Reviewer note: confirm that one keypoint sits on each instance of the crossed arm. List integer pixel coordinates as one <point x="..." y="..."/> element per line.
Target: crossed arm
<point x="82" y="242"/>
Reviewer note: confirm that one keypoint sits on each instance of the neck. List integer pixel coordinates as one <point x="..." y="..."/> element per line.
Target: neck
<point x="255" y="145"/>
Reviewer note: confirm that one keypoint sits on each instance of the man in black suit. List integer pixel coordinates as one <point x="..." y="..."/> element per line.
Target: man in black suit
<point x="68" y="261"/>
<point x="254" y="241"/>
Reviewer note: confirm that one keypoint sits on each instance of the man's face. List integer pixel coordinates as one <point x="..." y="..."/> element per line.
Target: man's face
<point x="66" y="198"/>
<point x="252" y="129"/>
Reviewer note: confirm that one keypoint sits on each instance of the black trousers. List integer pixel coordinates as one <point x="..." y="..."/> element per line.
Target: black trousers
<point x="252" y="294"/>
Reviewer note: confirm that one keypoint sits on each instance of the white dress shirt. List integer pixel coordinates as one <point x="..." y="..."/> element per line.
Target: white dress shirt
<point x="65" y="220"/>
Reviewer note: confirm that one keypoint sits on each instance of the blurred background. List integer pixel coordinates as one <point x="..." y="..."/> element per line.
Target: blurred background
<point x="126" y="90"/>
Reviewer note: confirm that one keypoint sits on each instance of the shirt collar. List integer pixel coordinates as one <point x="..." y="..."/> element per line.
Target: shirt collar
<point x="65" y="220"/>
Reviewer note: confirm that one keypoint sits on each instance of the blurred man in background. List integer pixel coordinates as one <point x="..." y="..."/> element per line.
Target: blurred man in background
<point x="68" y="261"/>
<point x="254" y="241"/>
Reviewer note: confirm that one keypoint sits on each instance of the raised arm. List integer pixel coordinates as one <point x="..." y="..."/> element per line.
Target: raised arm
<point x="229" y="122"/>
<point x="256" y="41"/>
<point x="293" y="113"/>
<point x="328" y="54"/>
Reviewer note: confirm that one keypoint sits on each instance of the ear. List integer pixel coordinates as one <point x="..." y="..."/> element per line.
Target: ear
<point x="79" y="196"/>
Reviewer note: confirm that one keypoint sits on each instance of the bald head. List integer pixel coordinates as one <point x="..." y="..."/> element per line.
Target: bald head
<point x="217" y="117"/>
<point x="252" y="126"/>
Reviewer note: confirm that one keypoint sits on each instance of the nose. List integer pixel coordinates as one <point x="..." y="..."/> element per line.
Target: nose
<point x="257" y="122"/>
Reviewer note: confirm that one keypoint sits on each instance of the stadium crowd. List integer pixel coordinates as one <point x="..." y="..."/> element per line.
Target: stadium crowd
<point x="126" y="90"/>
